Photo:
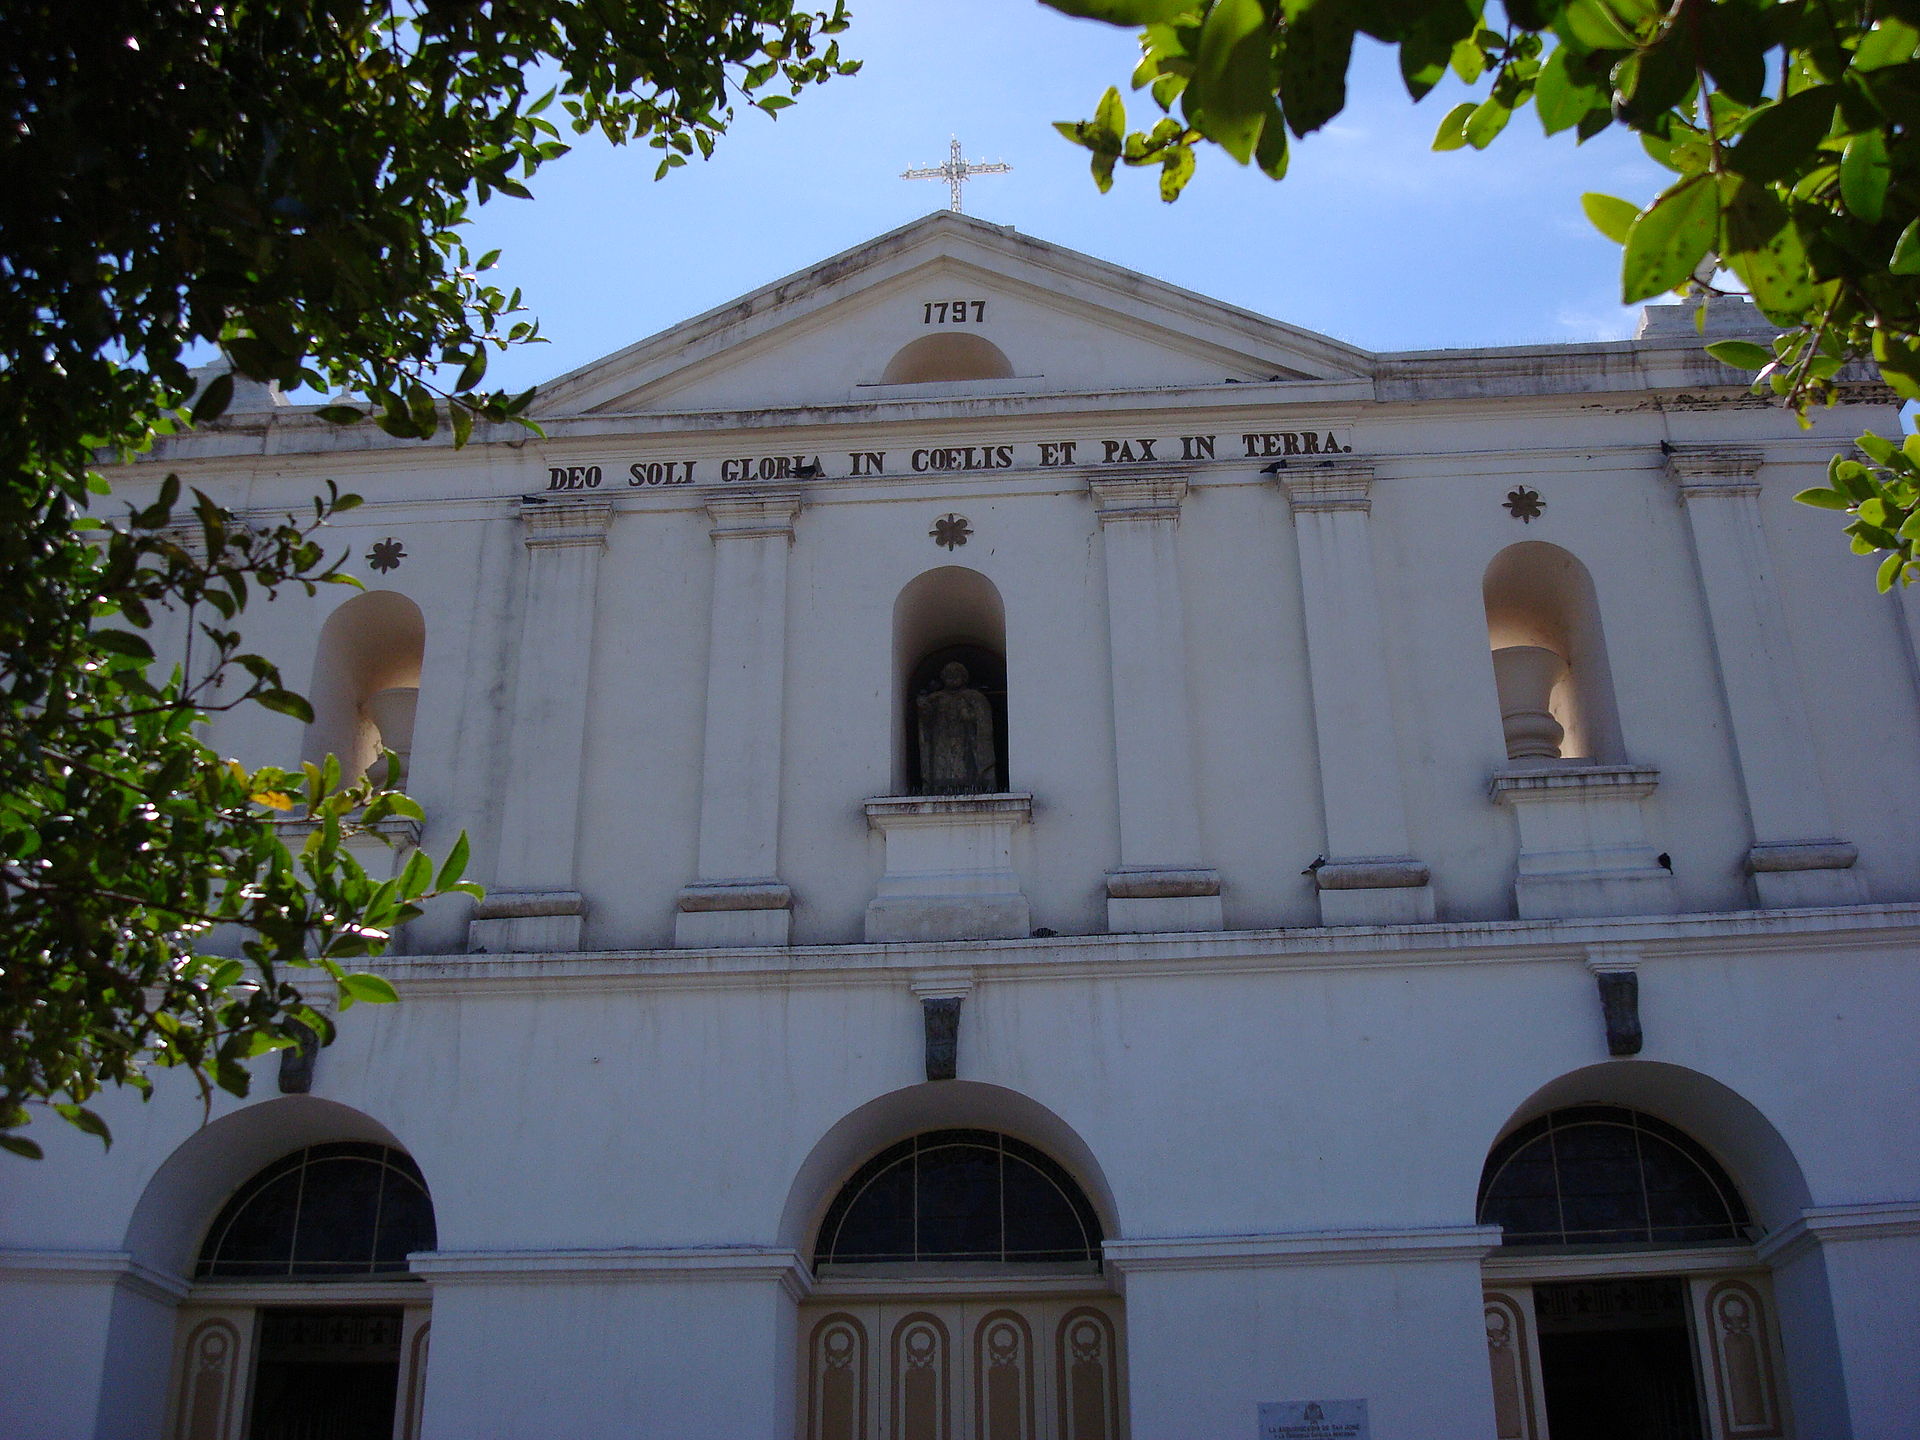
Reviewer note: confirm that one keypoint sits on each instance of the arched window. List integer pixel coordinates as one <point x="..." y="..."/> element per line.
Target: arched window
<point x="1598" y="1175"/>
<point x="955" y="356"/>
<point x="347" y="1210"/>
<point x="1549" y="657"/>
<point x="947" y="616"/>
<point x="366" y="682"/>
<point x="960" y="1196"/>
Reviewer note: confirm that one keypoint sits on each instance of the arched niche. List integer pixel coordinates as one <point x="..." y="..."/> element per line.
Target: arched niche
<point x="1730" y="1128"/>
<point x="187" y="1192"/>
<point x="1550" y="657"/>
<point x="951" y="356"/>
<point x="366" y="679"/>
<point x="944" y="1105"/>
<point x="946" y="615"/>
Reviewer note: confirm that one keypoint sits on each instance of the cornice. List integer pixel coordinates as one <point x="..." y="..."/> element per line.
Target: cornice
<point x="1754" y="936"/>
<point x="1423" y="1245"/>
<point x="674" y="1264"/>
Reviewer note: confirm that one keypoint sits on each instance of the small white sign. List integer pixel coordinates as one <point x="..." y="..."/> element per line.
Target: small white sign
<point x="1314" y="1420"/>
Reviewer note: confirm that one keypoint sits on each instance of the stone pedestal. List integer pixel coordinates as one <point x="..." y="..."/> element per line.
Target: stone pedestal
<point x="949" y="868"/>
<point x="1370" y="876"/>
<point x="738" y="899"/>
<point x="1796" y="858"/>
<point x="1583" y="841"/>
<point x="1160" y="884"/>
<point x="532" y="903"/>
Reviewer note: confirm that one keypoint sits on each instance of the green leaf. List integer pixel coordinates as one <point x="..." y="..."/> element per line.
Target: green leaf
<point x="119" y="642"/>
<point x="1906" y="253"/>
<point x="1175" y="170"/>
<point x="1824" y="499"/>
<point x="1779" y="138"/>
<point x="285" y="702"/>
<point x="1889" y="572"/>
<point x="1131" y="13"/>
<point x="1452" y="132"/>
<point x="1741" y="354"/>
<point x="1231" y="88"/>
<point x="20" y="1145"/>
<point x="1562" y="96"/>
<point x="1670" y="239"/>
<point x="374" y="989"/>
<point x="1764" y="249"/>
<point x="1489" y="118"/>
<point x="85" y="1120"/>
<point x="415" y="875"/>
<point x="341" y="414"/>
<point x="1879" y="448"/>
<point x="455" y="865"/>
<point x="1890" y="42"/>
<point x="213" y="401"/>
<point x="1611" y="216"/>
<point x="1864" y="173"/>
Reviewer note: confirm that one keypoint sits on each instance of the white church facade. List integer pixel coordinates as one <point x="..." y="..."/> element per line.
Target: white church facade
<point x="1064" y="862"/>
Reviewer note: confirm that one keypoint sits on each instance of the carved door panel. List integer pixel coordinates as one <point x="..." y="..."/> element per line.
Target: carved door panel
<point x="213" y="1361"/>
<point x="985" y="1370"/>
<point x="1513" y="1353"/>
<point x="1738" y="1356"/>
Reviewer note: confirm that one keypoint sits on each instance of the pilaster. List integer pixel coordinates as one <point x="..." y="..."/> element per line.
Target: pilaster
<point x="1370" y="875"/>
<point x="534" y="904"/>
<point x="1160" y="884"/>
<point x="738" y="898"/>
<point x="1796" y="859"/>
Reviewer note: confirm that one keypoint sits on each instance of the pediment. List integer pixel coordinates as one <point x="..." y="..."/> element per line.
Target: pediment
<point x="948" y="306"/>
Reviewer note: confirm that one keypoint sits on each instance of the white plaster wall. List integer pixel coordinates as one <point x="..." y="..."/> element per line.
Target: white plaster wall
<point x="1290" y="1332"/>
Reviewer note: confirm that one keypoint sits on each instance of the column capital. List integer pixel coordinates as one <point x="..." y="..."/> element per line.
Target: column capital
<point x="564" y="524"/>
<point x="1709" y="471"/>
<point x="1148" y="492"/>
<point x="1327" y="488"/>
<point x="754" y="514"/>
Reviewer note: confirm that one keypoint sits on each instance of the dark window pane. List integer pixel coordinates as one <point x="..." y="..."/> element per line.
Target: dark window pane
<point x="1042" y="1223"/>
<point x="959" y="1211"/>
<point x="960" y="1195"/>
<point x="1597" y="1175"/>
<point x="254" y="1241"/>
<point x="339" y="1209"/>
<point x="406" y="1222"/>
<point x="347" y="1209"/>
<point x="877" y="1224"/>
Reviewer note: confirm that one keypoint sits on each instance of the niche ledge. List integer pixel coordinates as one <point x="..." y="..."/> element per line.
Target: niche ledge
<point x="949" y="867"/>
<point x="1584" y="849"/>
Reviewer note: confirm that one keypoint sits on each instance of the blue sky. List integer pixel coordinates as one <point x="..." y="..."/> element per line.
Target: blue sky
<point x="1370" y="238"/>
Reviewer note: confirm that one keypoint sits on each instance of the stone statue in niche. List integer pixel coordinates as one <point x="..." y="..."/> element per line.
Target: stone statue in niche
<point x="956" y="735"/>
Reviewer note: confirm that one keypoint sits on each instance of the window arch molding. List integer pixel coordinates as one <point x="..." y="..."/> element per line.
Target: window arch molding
<point x="1731" y="1128"/>
<point x="343" y="1209"/>
<point x="1022" y="1206"/>
<point x="1594" y="1176"/>
<point x="865" y="1132"/>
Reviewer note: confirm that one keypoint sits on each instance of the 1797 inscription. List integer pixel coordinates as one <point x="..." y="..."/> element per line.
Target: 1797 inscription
<point x="1280" y="445"/>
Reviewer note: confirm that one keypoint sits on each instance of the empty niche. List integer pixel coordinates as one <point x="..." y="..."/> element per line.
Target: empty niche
<point x="945" y="617"/>
<point x="366" y="682"/>
<point x="1549" y="658"/>
<point x="948" y="357"/>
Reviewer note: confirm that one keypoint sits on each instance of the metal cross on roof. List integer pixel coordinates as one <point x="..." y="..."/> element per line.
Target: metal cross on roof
<point x="956" y="172"/>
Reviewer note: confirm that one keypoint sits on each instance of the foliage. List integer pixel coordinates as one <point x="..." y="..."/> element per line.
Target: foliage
<point x="288" y="180"/>
<point x="1789" y="127"/>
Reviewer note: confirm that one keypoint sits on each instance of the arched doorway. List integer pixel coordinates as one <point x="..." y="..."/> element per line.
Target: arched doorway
<point x="960" y="1295"/>
<point x="303" y="1320"/>
<point x="1626" y="1299"/>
